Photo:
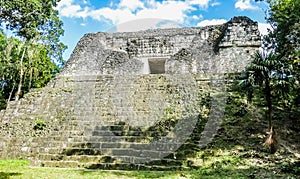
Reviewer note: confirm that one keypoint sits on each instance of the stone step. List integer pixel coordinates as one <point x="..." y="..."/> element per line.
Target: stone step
<point x="60" y="164"/>
<point x="97" y="139"/>
<point x="115" y="149"/>
<point x="118" y="131"/>
<point x="104" y="158"/>
<point x="104" y="166"/>
<point x="108" y="145"/>
<point x="67" y="151"/>
<point x="106" y="162"/>
<point x="97" y="148"/>
<point x="131" y="166"/>
<point x="68" y="133"/>
<point x="79" y="158"/>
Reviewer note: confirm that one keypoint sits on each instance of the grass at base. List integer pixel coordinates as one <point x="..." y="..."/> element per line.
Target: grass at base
<point x="21" y="169"/>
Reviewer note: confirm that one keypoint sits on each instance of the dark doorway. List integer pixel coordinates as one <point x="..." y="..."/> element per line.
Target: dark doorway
<point x="157" y="65"/>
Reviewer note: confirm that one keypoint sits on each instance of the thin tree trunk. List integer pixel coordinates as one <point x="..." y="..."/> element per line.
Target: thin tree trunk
<point x="2" y="87"/>
<point x="269" y="102"/>
<point x="19" y="92"/>
<point x="30" y="79"/>
<point x="10" y="95"/>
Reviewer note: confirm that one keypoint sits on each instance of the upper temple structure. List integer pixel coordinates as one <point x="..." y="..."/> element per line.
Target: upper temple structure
<point x="131" y="100"/>
<point x="225" y="48"/>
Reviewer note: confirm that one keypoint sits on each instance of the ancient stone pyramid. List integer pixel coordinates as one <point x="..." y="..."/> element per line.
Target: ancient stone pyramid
<point x="130" y="100"/>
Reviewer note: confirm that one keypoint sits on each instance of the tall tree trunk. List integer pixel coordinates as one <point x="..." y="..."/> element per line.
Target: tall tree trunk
<point x="30" y="78"/>
<point x="2" y="86"/>
<point x="10" y="95"/>
<point x="19" y="92"/>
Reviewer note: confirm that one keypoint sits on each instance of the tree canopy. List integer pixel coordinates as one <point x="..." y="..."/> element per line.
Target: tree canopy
<point x="33" y="55"/>
<point x="35" y="20"/>
<point x="284" y="16"/>
<point x="274" y="72"/>
<point x="284" y="38"/>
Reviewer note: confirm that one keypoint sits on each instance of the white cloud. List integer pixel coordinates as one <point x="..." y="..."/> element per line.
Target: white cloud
<point x="70" y="11"/>
<point x="144" y="24"/>
<point x="83" y="13"/>
<point x="169" y="10"/>
<point x="136" y="25"/>
<point x="195" y="17"/>
<point x="64" y="3"/>
<point x="215" y="4"/>
<point x="111" y="4"/>
<point x="151" y="3"/>
<point x="131" y="4"/>
<point x="129" y="10"/>
<point x="115" y="15"/>
<point x="245" y="5"/>
<point x="200" y="3"/>
<point x="167" y="24"/>
<point x="263" y="28"/>
<point x="67" y="9"/>
<point x="211" y="22"/>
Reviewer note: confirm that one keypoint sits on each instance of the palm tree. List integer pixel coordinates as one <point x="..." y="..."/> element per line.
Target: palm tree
<point x="270" y="76"/>
<point x="262" y="71"/>
<point x="260" y="74"/>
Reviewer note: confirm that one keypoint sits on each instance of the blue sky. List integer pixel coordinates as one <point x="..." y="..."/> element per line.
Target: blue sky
<point x="89" y="16"/>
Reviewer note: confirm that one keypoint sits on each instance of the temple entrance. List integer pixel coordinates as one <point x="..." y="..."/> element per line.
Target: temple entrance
<point x="157" y="65"/>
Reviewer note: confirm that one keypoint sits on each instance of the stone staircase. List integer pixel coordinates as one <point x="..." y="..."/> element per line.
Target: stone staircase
<point x="104" y="150"/>
<point x="103" y="122"/>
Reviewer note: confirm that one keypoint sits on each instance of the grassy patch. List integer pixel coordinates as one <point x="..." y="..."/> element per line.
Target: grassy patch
<point x="22" y="169"/>
<point x="220" y="165"/>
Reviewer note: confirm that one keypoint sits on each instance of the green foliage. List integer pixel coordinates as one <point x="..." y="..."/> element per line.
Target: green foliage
<point x="284" y="16"/>
<point x="28" y="61"/>
<point x="284" y="38"/>
<point x="274" y="73"/>
<point x="26" y="16"/>
<point x="3" y="103"/>
<point x="36" y="66"/>
<point x="266" y="74"/>
<point x="39" y="124"/>
<point x="290" y="167"/>
<point x="35" y="20"/>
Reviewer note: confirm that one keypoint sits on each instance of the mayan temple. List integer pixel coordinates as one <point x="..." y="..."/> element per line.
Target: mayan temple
<point x="129" y="100"/>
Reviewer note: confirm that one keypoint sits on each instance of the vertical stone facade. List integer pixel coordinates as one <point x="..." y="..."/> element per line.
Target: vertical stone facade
<point x="223" y="48"/>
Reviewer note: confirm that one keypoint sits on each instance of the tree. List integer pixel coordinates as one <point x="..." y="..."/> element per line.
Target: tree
<point x="35" y="21"/>
<point x="265" y="74"/>
<point x="284" y="39"/>
<point x="8" y="70"/>
<point x="36" y="66"/>
<point x="284" y="16"/>
<point x="274" y="73"/>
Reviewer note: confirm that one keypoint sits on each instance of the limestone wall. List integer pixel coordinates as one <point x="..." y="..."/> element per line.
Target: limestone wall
<point x="224" y="48"/>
